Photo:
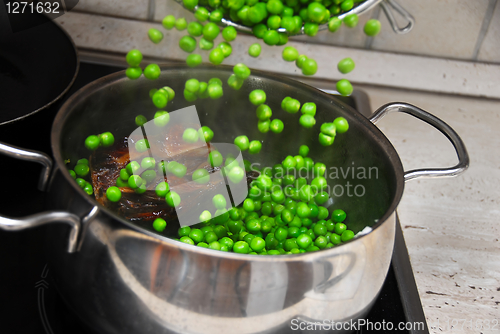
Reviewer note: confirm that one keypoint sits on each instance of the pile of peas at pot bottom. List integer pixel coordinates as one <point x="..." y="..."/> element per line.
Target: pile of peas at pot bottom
<point x="282" y="214"/>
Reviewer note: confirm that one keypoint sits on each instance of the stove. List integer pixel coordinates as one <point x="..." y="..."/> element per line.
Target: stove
<point x="30" y="303"/>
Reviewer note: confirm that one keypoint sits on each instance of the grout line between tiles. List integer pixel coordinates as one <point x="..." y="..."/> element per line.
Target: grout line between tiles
<point x="484" y="27"/>
<point x="376" y="16"/>
<point x="151" y="10"/>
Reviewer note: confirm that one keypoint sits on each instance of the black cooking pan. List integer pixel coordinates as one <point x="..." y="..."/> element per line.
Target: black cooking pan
<point x="38" y="64"/>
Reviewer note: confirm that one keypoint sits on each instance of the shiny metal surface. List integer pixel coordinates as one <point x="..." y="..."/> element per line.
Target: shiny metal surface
<point x="456" y="141"/>
<point x="359" y="10"/>
<point x="388" y="6"/>
<point x="44" y="218"/>
<point x="30" y="155"/>
<point x="125" y="278"/>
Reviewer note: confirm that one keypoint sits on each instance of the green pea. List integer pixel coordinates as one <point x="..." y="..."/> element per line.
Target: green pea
<point x="254" y="50"/>
<point x="254" y="147"/>
<point x="162" y="189"/>
<point x="300" y="61"/>
<point x="234" y="82"/>
<point x="274" y="22"/>
<point x="309" y="67"/>
<point x="161" y="118"/>
<point x="347" y="5"/>
<point x="341" y="124"/>
<point x="173" y="199"/>
<point x="290" y="53"/>
<point x="281" y="234"/>
<point x="325" y="140"/>
<point x="187" y="240"/>
<point x="201" y="14"/>
<point x="179" y="170"/>
<point x="155" y="35"/>
<point x="216" y="15"/>
<point x="168" y="22"/>
<point x="274" y="6"/>
<point x="236" y="174"/>
<point x="187" y="43"/>
<point x="372" y="27"/>
<point x="257" y="97"/>
<point x="241" y="71"/>
<point x="292" y="106"/>
<point x="334" y="24"/>
<point x="190" y="135"/>
<point x="206" y="45"/>
<point x="81" y="169"/>
<point x="142" y="145"/>
<point x="92" y="142"/>
<point x="214" y="90"/>
<point x="303" y="150"/>
<point x="180" y="24"/>
<point x="215" y="81"/>
<point x="195" y="29"/>
<point x="242" y="142"/>
<point x="351" y="20"/>
<point x="263" y="126"/>
<point x="346" y="65"/>
<point x="206" y="133"/>
<point x="347" y="235"/>
<point x="133" y="73"/>
<point x="215" y="158"/>
<point x="226" y="49"/>
<point x="160" y="100"/>
<point x="308" y="108"/>
<point x="140" y="120"/>
<point x="88" y="188"/>
<point x="216" y="56"/>
<point x="283" y="39"/>
<point x="271" y="37"/>
<point x="344" y="87"/>
<point x="205" y="216"/>
<point x="259" y="30"/>
<point x="113" y="194"/>
<point x="210" y="31"/>
<point x="159" y="224"/>
<point x="152" y="72"/>
<point x="311" y="29"/>
<point x="193" y="60"/>
<point x="277" y="126"/>
<point x="338" y="215"/>
<point x="307" y="121"/>
<point x="241" y="247"/>
<point x="229" y="33"/>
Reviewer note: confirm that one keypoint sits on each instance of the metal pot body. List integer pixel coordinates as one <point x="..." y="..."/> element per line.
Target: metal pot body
<point x="126" y="279"/>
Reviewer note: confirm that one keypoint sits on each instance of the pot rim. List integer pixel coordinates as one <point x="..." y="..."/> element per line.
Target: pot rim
<point x="67" y="108"/>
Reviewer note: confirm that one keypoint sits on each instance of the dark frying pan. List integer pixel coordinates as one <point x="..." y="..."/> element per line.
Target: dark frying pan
<point x="37" y="66"/>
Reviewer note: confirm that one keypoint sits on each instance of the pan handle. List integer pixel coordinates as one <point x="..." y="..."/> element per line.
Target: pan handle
<point x="17" y="224"/>
<point x="30" y="155"/>
<point x="386" y="6"/>
<point x="453" y="137"/>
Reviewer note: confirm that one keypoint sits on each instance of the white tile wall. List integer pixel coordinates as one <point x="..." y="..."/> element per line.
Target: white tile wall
<point x="135" y="9"/>
<point x="444" y="28"/>
<point x="490" y="49"/>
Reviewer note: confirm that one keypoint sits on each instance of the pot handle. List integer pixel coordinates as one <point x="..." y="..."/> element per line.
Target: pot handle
<point x="386" y="7"/>
<point x="17" y="224"/>
<point x="30" y="155"/>
<point x="453" y="137"/>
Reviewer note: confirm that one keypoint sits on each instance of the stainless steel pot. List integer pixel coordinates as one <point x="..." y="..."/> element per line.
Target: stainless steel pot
<point x="122" y="278"/>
